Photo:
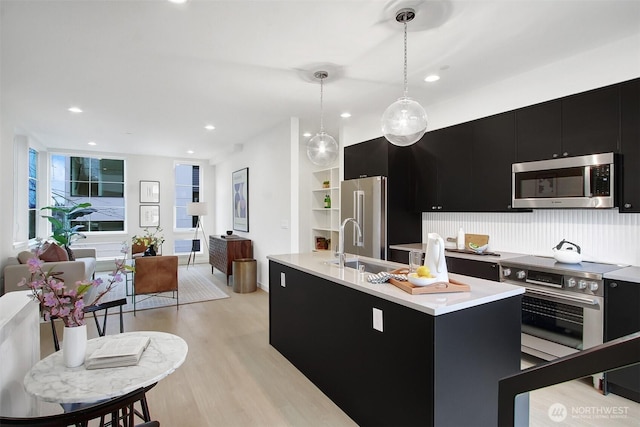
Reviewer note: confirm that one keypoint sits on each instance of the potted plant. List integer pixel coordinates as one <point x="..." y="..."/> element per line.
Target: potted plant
<point x="63" y="232"/>
<point x="152" y="240"/>
<point x="326" y="184"/>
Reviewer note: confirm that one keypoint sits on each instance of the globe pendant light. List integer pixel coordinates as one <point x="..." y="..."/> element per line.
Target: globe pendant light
<point x="322" y="149"/>
<point x="405" y="121"/>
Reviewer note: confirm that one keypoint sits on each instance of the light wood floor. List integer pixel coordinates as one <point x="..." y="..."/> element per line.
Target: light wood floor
<point x="233" y="377"/>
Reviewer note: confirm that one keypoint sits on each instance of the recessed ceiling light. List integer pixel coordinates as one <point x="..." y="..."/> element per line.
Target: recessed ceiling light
<point x="178" y="1"/>
<point x="209" y="127"/>
<point x="306" y="134"/>
<point x="432" y="78"/>
<point x="345" y="115"/>
<point x="190" y="151"/>
<point x="75" y="110"/>
<point x="91" y="143"/>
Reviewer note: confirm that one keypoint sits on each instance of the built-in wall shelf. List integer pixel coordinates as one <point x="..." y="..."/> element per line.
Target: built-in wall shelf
<point x="325" y="221"/>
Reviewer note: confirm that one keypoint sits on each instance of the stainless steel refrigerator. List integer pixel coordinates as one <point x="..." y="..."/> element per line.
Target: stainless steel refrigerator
<point x="365" y="200"/>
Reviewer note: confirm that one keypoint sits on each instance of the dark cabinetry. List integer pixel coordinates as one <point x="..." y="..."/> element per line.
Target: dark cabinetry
<point x="630" y="144"/>
<point x="411" y="373"/>
<point x="443" y="169"/>
<point x="493" y="153"/>
<point x="539" y="132"/>
<point x="467" y="167"/>
<point x="222" y="252"/>
<point x="474" y="268"/>
<point x="622" y="317"/>
<point x="379" y="157"/>
<point x="585" y="123"/>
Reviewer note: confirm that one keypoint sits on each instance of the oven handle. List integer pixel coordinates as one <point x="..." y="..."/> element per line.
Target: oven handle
<point x="537" y="282"/>
<point x="580" y="300"/>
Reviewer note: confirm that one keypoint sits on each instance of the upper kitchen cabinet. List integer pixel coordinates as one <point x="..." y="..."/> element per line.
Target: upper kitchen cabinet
<point x="585" y="123"/>
<point x="369" y="158"/>
<point x="630" y="145"/>
<point x="380" y="157"/>
<point x="493" y="153"/>
<point x="591" y="122"/>
<point x="443" y="166"/>
<point x="539" y="132"/>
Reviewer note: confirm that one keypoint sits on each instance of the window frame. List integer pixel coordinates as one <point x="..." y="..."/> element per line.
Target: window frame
<point x="68" y="182"/>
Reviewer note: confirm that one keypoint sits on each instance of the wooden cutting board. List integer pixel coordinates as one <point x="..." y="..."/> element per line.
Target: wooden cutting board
<point x="439" y="287"/>
<point x="478" y="239"/>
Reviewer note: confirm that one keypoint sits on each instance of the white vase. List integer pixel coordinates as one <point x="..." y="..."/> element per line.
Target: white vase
<point x="74" y="345"/>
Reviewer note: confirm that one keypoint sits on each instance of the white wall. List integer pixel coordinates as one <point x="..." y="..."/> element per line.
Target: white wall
<point x="269" y="160"/>
<point x="605" y="236"/>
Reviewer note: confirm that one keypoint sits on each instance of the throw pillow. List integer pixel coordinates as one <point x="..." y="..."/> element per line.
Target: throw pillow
<point x="25" y="256"/>
<point x="53" y="253"/>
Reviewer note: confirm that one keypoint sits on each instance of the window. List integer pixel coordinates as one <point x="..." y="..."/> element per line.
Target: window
<point x="187" y="190"/>
<point x="33" y="193"/>
<point x="97" y="181"/>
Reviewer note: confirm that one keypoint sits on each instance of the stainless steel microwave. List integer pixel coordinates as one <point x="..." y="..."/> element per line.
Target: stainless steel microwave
<point x="569" y="182"/>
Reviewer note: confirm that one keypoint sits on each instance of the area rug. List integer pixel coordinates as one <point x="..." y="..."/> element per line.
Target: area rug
<point x="195" y="284"/>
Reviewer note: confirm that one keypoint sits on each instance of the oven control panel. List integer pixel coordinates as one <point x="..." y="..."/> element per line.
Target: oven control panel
<point x="583" y="285"/>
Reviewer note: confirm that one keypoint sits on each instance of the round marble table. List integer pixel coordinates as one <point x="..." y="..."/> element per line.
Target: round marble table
<point x="50" y="380"/>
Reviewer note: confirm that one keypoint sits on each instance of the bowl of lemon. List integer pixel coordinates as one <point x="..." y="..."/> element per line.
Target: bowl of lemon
<point x="422" y="277"/>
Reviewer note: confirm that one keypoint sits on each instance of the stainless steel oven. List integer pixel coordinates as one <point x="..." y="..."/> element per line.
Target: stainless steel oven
<point x="563" y="306"/>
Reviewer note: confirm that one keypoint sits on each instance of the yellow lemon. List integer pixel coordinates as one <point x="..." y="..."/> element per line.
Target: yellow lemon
<point x="423" y="271"/>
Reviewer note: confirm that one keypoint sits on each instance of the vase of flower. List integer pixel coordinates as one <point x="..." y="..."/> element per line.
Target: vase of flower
<point x="150" y="251"/>
<point x="74" y="345"/>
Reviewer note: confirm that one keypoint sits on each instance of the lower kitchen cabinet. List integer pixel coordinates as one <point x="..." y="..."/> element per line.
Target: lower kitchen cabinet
<point x="420" y="370"/>
<point x="474" y="268"/>
<point x="622" y="317"/>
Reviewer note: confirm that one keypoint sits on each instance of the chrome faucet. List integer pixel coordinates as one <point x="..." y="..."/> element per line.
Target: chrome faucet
<point x="342" y="257"/>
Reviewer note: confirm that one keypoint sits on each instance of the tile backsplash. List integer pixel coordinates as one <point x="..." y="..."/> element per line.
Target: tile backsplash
<point x="604" y="235"/>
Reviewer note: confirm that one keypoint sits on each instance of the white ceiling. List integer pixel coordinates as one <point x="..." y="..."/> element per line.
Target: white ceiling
<point x="150" y="74"/>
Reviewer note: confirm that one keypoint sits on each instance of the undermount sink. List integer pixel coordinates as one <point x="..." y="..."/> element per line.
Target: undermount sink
<point x="369" y="267"/>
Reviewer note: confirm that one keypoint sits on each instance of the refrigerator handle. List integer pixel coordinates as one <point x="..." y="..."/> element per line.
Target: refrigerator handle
<point x="358" y="214"/>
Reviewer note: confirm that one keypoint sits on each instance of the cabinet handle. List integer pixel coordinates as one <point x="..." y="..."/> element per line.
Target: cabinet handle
<point x="555" y="155"/>
<point x="627" y="205"/>
<point x="565" y="154"/>
<point x="439" y="207"/>
<point x="613" y="285"/>
<point x="433" y="208"/>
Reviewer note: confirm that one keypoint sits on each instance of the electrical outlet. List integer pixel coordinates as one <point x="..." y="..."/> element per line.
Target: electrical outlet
<point x="283" y="282"/>
<point x="377" y="320"/>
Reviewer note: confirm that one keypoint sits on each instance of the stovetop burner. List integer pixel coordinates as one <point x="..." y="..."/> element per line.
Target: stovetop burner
<point x="532" y="262"/>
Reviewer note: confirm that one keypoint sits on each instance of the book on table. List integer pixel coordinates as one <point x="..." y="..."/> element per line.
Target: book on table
<point x="118" y="352"/>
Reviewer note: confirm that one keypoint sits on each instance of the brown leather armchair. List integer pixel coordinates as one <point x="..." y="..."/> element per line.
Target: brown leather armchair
<point x="155" y="275"/>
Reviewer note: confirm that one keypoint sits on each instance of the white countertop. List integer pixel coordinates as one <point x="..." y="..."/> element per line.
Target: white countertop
<point x="482" y="291"/>
<point x="486" y="258"/>
<point x="628" y="274"/>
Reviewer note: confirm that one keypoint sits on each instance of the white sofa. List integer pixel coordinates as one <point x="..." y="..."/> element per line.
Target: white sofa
<point x="82" y="268"/>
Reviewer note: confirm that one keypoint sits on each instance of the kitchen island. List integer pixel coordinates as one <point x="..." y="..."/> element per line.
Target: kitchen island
<point x="387" y="357"/>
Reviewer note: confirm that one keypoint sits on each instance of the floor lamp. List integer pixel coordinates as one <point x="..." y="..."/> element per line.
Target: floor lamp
<point x="197" y="209"/>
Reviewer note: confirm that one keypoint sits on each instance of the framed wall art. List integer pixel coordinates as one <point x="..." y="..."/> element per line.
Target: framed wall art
<point x="149" y="216"/>
<point x="240" y="194"/>
<point x="149" y="192"/>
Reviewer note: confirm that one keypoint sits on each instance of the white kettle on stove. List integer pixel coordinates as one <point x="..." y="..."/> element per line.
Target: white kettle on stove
<point x="435" y="259"/>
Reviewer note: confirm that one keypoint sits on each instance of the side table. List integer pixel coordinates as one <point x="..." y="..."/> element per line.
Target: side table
<point x="222" y="252"/>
